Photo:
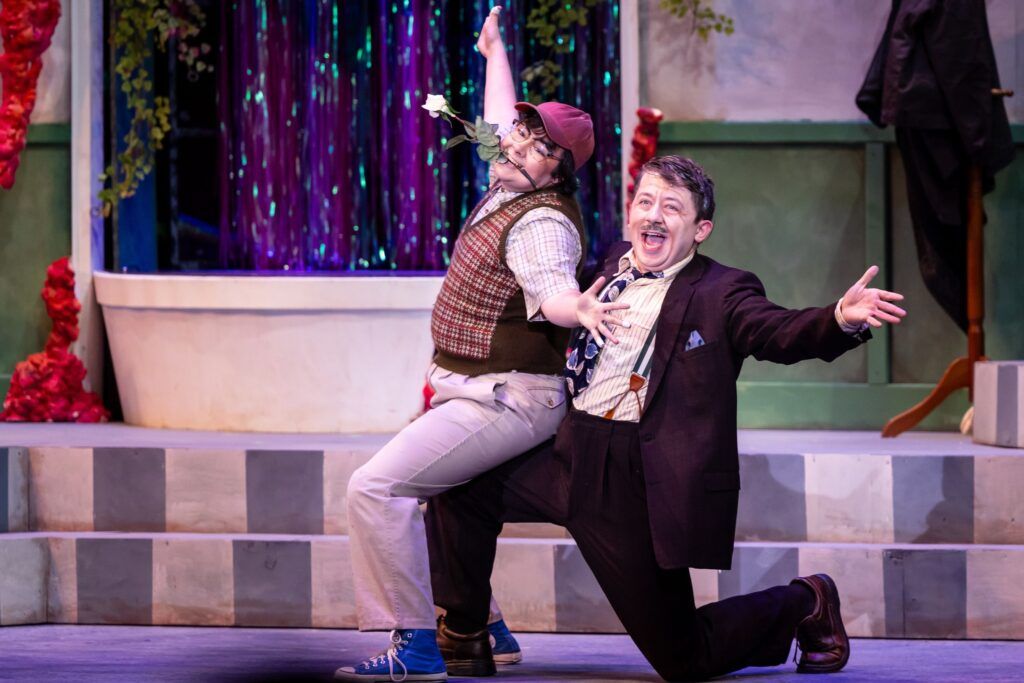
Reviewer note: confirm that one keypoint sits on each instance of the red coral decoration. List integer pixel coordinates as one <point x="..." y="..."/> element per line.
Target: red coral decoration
<point x="47" y="386"/>
<point x="428" y="394"/>
<point x="645" y="144"/>
<point x="26" y="27"/>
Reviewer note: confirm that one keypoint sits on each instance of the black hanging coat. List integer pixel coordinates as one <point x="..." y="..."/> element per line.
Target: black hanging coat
<point x="932" y="77"/>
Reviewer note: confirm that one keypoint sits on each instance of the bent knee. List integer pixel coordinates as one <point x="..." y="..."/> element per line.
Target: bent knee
<point x="364" y="486"/>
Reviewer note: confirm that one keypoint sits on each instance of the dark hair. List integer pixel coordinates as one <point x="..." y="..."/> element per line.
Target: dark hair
<point x="682" y="172"/>
<point x="565" y="173"/>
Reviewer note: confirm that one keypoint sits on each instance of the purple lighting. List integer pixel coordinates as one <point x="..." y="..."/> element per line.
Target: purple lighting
<point x="328" y="162"/>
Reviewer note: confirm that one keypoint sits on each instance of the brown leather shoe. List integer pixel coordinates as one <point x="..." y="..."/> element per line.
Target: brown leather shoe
<point x="822" y="637"/>
<point x="465" y="654"/>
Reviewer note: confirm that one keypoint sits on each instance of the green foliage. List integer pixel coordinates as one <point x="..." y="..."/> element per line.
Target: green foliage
<point x="553" y="23"/>
<point x="137" y="24"/>
<point x="542" y="79"/>
<point x="705" y="19"/>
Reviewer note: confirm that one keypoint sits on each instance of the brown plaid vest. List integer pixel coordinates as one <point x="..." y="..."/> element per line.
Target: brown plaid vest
<point x="479" y="322"/>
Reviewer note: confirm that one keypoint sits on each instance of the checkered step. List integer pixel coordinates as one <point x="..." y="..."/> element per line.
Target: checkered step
<point x="928" y="591"/>
<point x="786" y="498"/>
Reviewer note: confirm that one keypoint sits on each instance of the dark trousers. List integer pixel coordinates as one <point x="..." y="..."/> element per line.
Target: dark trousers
<point x="590" y="480"/>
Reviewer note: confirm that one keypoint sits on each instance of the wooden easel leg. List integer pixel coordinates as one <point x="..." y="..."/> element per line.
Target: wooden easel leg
<point x="956" y="376"/>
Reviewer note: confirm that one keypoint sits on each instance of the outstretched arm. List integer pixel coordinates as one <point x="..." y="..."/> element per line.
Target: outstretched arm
<point x="499" y="88"/>
<point x="766" y="331"/>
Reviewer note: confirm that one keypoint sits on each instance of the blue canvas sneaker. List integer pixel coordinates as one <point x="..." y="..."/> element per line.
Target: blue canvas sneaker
<point x="503" y="644"/>
<point x="413" y="656"/>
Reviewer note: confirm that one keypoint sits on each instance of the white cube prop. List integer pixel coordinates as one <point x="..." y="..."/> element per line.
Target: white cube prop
<point x="999" y="403"/>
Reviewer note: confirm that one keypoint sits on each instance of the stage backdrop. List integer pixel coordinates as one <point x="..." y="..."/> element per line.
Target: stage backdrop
<point x="327" y="161"/>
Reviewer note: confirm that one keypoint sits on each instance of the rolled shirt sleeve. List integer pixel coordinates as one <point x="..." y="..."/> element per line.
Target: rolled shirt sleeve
<point x="542" y="250"/>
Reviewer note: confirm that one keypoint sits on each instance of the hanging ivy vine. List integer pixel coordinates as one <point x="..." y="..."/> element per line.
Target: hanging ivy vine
<point x="553" y="23"/>
<point x="705" y="19"/>
<point x="137" y="26"/>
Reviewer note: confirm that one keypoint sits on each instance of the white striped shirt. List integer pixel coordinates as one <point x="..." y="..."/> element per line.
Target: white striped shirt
<point x="615" y="363"/>
<point x="542" y="250"/>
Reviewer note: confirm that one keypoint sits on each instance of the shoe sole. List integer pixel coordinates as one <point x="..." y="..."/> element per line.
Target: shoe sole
<point x="386" y="678"/>
<point x="474" y="668"/>
<point x="830" y="668"/>
<point x="508" y="658"/>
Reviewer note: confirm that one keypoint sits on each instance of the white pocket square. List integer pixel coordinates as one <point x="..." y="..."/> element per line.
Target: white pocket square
<point x="694" y="341"/>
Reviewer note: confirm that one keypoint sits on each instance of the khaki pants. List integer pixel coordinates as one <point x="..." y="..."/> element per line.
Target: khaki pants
<point x="475" y="424"/>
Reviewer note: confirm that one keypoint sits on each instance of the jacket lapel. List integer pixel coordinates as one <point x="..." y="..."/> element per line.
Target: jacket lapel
<point x="673" y="310"/>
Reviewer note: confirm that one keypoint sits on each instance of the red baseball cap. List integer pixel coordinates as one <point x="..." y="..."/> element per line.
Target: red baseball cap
<point x="567" y="127"/>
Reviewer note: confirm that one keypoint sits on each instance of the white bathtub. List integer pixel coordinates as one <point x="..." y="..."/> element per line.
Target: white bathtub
<point x="269" y="353"/>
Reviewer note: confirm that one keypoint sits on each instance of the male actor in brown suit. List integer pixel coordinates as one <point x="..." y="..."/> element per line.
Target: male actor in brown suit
<point x="644" y="471"/>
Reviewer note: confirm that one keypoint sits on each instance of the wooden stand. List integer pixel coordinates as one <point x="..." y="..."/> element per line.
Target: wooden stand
<point x="960" y="373"/>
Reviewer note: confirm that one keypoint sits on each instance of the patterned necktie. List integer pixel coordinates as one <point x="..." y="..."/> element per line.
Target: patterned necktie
<point x="579" y="369"/>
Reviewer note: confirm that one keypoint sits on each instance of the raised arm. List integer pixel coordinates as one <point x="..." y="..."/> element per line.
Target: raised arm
<point x="499" y="88"/>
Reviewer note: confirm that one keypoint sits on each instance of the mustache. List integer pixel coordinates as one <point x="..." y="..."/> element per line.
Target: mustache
<point x="651" y="227"/>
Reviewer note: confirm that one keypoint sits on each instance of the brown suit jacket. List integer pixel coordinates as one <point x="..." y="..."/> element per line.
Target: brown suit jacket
<point x="688" y="429"/>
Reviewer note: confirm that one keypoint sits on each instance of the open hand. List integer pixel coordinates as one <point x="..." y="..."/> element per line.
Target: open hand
<point x="862" y="304"/>
<point x="596" y="316"/>
<point x="490" y="36"/>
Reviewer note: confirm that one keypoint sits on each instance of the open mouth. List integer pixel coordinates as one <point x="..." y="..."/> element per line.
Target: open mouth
<point x="652" y="239"/>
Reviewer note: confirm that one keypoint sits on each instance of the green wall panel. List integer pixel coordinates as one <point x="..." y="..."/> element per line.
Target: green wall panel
<point x="803" y="405"/>
<point x="1004" y="264"/>
<point x="35" y="229"/>
<point x="806" y="206"/>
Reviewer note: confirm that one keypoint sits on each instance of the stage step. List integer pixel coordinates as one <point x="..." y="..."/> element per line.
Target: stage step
<point x="944" y="496"/>
<point x="888" y="590"/>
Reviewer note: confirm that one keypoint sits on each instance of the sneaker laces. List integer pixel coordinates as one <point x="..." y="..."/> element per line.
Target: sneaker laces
<point x="391" y="656"/>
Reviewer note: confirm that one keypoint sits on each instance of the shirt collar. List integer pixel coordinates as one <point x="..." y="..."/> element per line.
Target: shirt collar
<point x="500" y="191"/>
<point x="627" y="260"/>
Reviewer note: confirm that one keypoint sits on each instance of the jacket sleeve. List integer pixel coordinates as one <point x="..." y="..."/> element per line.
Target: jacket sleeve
<point x="759" y="328"/>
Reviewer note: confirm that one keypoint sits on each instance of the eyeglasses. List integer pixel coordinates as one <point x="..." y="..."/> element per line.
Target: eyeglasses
<point x="541" y="151"/>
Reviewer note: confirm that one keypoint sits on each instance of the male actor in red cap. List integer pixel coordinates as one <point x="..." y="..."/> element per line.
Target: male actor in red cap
<point x="500" y="329"/>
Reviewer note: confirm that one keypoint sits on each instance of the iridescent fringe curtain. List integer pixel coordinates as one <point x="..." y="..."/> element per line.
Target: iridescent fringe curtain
<point x="327" y="160"/>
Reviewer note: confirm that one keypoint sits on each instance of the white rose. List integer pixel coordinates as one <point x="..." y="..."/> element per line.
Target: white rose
<point x="436" y="105"/>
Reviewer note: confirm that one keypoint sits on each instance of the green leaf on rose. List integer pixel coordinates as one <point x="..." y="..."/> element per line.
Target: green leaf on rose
<point x="488" y="153"/>
<point x="485" y="133"/>
<point x="455" y="140"/>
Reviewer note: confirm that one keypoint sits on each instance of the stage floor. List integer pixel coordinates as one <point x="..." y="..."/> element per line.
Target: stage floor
<point x="148" y="653"/>
<point x="763" y="441"/>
